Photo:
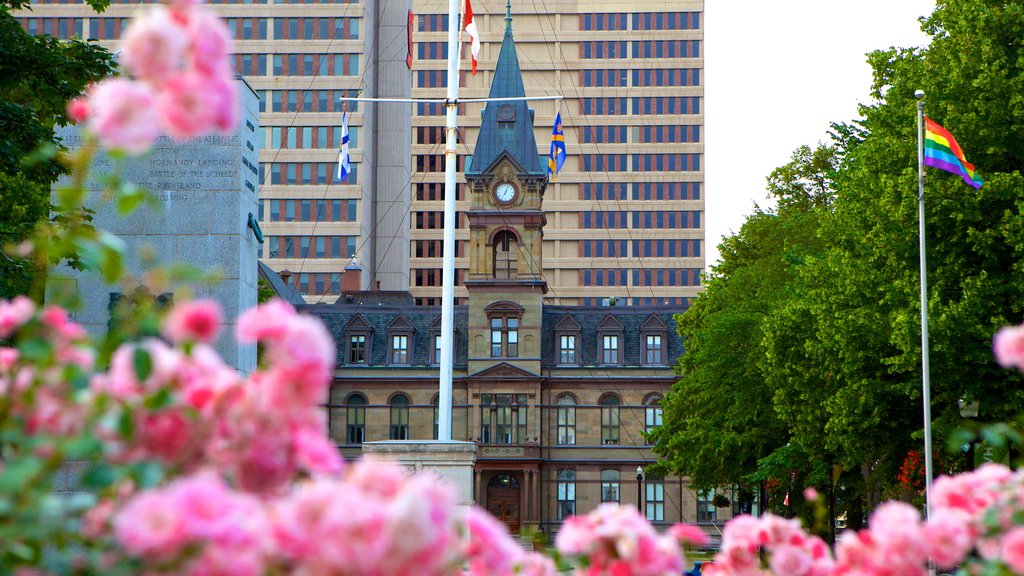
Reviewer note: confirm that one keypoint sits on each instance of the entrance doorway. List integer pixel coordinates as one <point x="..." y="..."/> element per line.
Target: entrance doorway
<point x="503" y="498"/>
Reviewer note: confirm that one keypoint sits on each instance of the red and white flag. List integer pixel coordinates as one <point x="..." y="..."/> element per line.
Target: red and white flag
<point x="469" y="25"/>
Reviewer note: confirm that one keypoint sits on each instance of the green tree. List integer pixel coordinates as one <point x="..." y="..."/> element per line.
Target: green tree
<point x="837" y="355"/>
<point x="719" y="418"/>
<point x="38" y="75"/>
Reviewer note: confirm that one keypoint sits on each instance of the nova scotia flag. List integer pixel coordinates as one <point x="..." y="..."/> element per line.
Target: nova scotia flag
<point x="344" y="162"/>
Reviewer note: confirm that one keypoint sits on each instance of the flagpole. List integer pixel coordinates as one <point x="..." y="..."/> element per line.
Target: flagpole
<point x="925" y="383"/>
<point x="444" y="424"/>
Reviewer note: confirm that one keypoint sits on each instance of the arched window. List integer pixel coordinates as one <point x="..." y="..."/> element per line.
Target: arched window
<point x="355" y="418"/>
<point x="566" y="420"/>
<point x="609" y="485"/>
<point x="400" y="417"/>
<point x="505" y="258"/>
<point x="652" y="413"/>
<point x="610" y="420"/>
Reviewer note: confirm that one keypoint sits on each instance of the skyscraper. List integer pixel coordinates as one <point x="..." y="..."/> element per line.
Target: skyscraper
<point x="625" y="218"/>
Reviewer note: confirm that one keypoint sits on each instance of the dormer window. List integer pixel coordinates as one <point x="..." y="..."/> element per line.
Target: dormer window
<point x="400" y="336"/>
<point x="609" y="340"/>
<point x="505" y="319"/>
<point x="567" y="339"/>
<point x="358" y="337"/>
<point x="653" y="338"/>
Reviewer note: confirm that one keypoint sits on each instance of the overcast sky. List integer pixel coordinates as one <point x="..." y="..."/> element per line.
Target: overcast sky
<point x="777" y="73"/>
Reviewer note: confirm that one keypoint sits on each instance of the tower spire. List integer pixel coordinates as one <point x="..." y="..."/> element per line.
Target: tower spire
<point x="508" y="16"/>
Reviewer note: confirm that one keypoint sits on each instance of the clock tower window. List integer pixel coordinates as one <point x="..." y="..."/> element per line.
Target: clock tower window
<point x="505" y="258"/>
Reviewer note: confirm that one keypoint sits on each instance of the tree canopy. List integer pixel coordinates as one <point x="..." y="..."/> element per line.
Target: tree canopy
<point x="807" y="336"/>
<point x="38" y="75"/>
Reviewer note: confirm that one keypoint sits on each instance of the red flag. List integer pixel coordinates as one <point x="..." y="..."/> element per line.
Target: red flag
<point x="474" y="36"/>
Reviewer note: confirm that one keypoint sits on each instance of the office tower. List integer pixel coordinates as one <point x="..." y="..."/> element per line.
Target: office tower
<point x="625" y="218"/>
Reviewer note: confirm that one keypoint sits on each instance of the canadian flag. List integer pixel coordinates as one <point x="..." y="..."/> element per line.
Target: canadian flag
<point x="469" y="25"/>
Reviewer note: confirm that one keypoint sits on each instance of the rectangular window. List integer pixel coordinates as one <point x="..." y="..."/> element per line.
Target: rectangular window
<point x="566" y="494"/>
<point x="566" y="421"/>
<point x="609" y="485"/>
<point x="705" y="508"/>
<point x="567" y="349"/>
<point x="652" y="418"/>
<point x="610" y="349"/>
<point x="652" y="344"/>
<point x="504" y="337"/>
<point x="357" y="349"/>
<point x="654" y="506"/>
<point x="400" y="349"/>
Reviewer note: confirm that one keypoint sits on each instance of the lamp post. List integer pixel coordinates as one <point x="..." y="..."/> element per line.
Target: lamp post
<point x="969" y="411"/>
<point x="639" y="489"/>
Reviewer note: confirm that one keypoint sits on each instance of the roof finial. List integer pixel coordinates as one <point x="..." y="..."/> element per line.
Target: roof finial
<point x="508" y="15"/>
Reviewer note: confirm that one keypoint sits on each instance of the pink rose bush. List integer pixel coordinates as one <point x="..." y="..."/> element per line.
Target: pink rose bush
<point x="182" y="83"/>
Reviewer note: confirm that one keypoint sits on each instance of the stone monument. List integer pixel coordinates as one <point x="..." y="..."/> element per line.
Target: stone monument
<point x="206" y="215"/>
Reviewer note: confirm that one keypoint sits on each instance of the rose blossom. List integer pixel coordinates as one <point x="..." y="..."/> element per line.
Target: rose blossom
<point x="198" y="320"/>
<point x="152" y="524"/>
<point x="14" y="313"/>
<point x="124" y="114"/>
<point x="1008" y="346"/>
<point x="154" y="45"/>
<point x="188" y="104"/>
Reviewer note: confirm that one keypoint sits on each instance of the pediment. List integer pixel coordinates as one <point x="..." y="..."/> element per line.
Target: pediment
<point x="357" y="323"/>
<point x="610" y="323"/>
<point x="654" y="324"/>
<point x="401" y="324"/>
<point x="567" y="324"/>
<point x="505" y="371"/>
<point x="506" y="173"/>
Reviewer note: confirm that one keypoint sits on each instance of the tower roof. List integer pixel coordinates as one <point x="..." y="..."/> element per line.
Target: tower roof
<point x="507" y="127"/>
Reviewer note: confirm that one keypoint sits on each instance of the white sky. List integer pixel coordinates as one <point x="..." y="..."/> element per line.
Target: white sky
<point x="776" y="74"/>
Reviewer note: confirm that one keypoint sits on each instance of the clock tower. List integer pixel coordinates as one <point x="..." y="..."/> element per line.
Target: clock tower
<point x="506" y="183"/>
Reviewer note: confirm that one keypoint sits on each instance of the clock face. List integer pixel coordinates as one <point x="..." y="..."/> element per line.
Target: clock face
<point x="505" y="192"/>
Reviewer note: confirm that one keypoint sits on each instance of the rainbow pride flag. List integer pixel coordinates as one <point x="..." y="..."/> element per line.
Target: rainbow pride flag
<point x="941" y="151"/>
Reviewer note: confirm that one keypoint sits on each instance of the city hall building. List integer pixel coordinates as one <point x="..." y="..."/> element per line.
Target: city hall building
<point x="557" y="398"/>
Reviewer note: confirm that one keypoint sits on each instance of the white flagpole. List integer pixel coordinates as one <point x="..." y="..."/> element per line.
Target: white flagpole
<point x="444" y="424"/>
<point x="925" y="383"/>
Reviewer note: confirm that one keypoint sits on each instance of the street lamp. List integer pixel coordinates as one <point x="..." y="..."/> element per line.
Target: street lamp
<point x="639" y="489"/>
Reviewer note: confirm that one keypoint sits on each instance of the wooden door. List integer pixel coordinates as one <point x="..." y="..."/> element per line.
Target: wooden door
<point x="503" y="500"/>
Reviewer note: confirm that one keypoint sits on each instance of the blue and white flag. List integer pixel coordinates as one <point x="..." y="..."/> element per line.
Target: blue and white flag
<point x="344" y="162"/>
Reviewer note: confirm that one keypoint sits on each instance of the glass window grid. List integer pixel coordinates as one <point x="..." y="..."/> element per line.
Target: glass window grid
<point x="566" y="494"/>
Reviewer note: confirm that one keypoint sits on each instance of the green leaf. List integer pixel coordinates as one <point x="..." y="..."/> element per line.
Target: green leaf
<point x="143" y="363"/>
<point x="83" y="448"/>
<point x="126" y="424"/>
<point x="19" y="474"/>
<point x="130" y="197"/>
<point x="99" y="476"/>
<point x="162" y="398"/>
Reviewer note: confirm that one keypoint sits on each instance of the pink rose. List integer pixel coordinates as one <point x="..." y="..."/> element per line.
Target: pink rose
<point x="153" y="47"/>
<point x="1008" y="347"/>
<point x="166" y="435"/>
<point x="210" y="42"/>
<point x="14" y="314"/>
<point x="689" y="534"/>
<point x="949" y="537"/>
<point x="315" y="453"/>
<point x="152" y="524"/>
<point x="124" y="114"/>
<point x="78" y="110"/>
<point x="190" y="103"/>
<point x="198" y="320"/>
<point x="1012" y="550"/>
<point x="490" y="548"/>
